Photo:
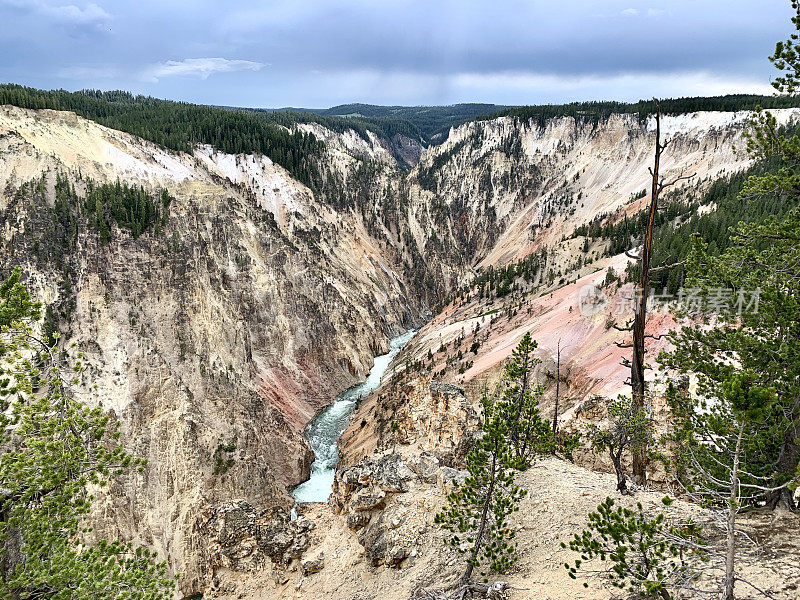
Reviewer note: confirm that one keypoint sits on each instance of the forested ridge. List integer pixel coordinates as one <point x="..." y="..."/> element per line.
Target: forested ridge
<point x="385" y="127"/>
<point x="432" y="122"/>
<point x="180" y="125"/>
<point x="598" y="111"/>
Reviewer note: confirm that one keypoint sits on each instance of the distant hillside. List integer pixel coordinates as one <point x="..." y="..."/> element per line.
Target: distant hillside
<point x="181" y="125"/>
<point x="433" y="121"/>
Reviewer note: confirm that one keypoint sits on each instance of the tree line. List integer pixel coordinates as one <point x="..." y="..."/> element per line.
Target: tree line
<point x="597" y="111"/>
<point x="180" y="126"/>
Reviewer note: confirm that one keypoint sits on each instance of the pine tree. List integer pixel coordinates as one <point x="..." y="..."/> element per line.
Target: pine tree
<point x="752" y="291"/>
<point x="629" y="429"/>
<point x="518" y="404"/>
<point x="478" y="510"/>
<point x="641" y="555"/>
<point x="52" y="449"/>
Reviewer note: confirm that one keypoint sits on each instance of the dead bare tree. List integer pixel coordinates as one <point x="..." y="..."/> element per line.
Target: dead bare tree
<point x="641" y="294"/>
<point x="718" y="437"/>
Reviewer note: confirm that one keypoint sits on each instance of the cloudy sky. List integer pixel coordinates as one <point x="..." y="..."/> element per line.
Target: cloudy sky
<point x="318" y="53"/>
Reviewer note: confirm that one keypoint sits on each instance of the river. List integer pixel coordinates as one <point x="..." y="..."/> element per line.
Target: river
<point x="324" y="431"/>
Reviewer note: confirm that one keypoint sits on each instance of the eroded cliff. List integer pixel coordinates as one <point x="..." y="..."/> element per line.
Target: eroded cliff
<point x="216" y="334"/>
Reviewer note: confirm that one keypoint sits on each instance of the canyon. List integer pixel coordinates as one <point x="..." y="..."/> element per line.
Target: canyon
<point x="217" y="338"/>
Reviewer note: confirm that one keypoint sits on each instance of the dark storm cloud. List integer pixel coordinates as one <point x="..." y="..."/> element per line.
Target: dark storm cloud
<point x="324" y="52"/>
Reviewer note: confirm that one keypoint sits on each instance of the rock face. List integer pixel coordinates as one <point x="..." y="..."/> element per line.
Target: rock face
<point x="237" y="537"/>
<point x="437" y="418"/>
<point x="370" y="495"/>
<point x="434" y="418"/>
<point x="497" y="189"/>
<point x="213" y="338"/>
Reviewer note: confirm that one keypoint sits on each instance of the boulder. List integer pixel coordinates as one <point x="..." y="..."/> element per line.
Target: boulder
<point x="357" y="520"/>
<point x="274" y="539"/>
<point x="368" y="499"/>
<point x="426" y="467"/>
<point x="396" y="554"/>
<point x="447" y="475"/>
<point x="373" y="539"/>
<point x="309" y="567"/>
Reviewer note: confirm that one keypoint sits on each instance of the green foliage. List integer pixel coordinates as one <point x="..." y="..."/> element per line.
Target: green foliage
<point x="748" y="364"/>
<point x="52" y="449"/>
<point x="761" y="339"/>
<point x="180" y="125"/>
<point x="16" y="308"/>
<point x="500" y="281"/>
<point x="646" y="559"/>
<point x="55" y="229"/>
<point x="611" y="277"/>
<point x="594" y="112"/>
<point x="513" y="433"/>
<point x="130" y="207"/>
<point x="478" y="510"/>
<point x="629" y="429"/>
<point x="518" y="405"/>
<point x="786" y="58"/>
<point x="565" y="443"/>
<point x="223" y="462"/>
<point x="705" y="434"/>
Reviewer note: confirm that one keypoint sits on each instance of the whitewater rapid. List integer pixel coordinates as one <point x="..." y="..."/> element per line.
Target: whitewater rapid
<point x="324" y="431"/>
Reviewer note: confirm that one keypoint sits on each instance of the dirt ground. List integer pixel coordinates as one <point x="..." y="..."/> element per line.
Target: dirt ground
<point x="559" y="497"/>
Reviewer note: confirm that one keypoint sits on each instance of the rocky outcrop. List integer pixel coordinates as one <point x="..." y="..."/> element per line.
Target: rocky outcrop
<point x="370" y="497"/>
<point x="407" y="150"/>
<point x="426" y="416"/>
<point x="436" y="418"/>
<point x="236" y="537"/>
<point x="314" y="565"/>
<point x="432" y="428"/>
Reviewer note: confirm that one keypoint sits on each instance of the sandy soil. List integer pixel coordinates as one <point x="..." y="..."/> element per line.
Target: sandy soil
<point x="560" y="495"/>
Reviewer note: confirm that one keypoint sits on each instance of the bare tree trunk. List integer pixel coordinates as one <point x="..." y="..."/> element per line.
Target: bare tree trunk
<point x="642" y="290"/>
<point x="558" y="382"/>
<point x="482" y="526"/>
<point x="733" y="510"/>
<point x="787" y="462"/>
<point x="622" y="481"/>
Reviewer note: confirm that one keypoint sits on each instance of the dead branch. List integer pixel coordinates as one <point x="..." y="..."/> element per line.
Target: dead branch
<point x="632" y="256"/>
<point x="667" y="267"/>
<point x="627" y="327"/>
<point x="666" y="184"/>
